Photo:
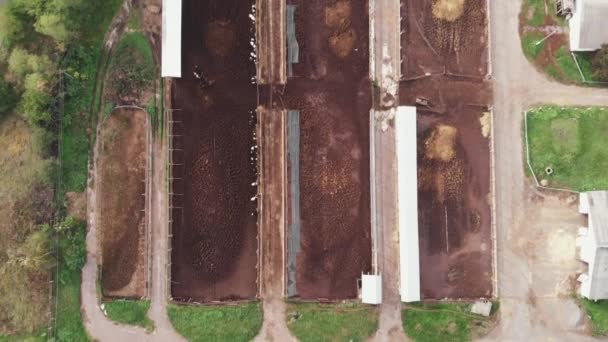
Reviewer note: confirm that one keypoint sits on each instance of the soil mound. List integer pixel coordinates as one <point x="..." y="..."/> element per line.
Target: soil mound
<point x="440" y="144"/>
<point x="449" y="10"/>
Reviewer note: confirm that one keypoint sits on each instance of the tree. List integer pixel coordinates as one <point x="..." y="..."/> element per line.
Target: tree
<point x="600" y="64"/>
<point x="18" y="64"/>
<point x="53" y="25"/>
<point x="8" y="98"/>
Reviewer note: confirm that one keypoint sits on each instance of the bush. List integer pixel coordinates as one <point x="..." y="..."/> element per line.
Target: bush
<point x="8" y="98"/>
<point x="600" y="64"/>
<point x="72" y="246"/>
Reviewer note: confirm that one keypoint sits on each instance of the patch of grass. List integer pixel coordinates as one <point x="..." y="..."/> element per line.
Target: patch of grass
<point x="39" y="336"/>
<point x="536" y="9"/>
<point x="444" y="322"/>
<point x="134" y="20"/>
<point x="323" y="322"/>
<point x="230" y="323"/>
<point x="528" y="44"/>
<point x="131" y="69"/>
<point x="584" y="61"/>
<point x="69" y="318"/>
<point x="72" y="252"/>
<point x="567" y="65"/>
<point x="132" y="312"/>
<point x="598" y="313"/>
<point x="574" y="142"/>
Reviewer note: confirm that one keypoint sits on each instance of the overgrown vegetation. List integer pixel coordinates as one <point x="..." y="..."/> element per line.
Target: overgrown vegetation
<point x="598" y="314"/>
<point x="573" y="142"/>
<point x="131" y="69"/>
<point x="25" y="208"/>
<point x="600" y="64"/>
<point x="133" y="312"/>
<point x="339" y="322"/>
<point x="232" y="323"/>
<point x="48" y="48"/>
<point x="444" y="322"/>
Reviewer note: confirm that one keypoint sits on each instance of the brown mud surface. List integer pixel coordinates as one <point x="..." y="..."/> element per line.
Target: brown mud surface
<point x="453" y="154"/>
<point x="214" y="227"/>
<point x="122" y="174"/>
<point x="433" y="45"/>
<point x="332" y="91"/>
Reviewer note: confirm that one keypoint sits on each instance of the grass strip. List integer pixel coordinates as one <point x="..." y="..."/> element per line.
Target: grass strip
<point x="311" y="322"/>
<point x="229" y="323"/>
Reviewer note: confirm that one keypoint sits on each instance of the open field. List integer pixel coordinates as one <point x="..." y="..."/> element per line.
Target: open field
<point x="573" y="141"/>
<point x="122" y="203"/>
<point x="332" y="91"/>
<point x="332" y="322"/>
<point x="214" y="220"/>
<point x="453" y="145"/>
<point x="226" y="323"/>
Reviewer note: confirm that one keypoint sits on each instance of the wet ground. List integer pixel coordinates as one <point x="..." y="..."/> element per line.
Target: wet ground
<point x="444" y="65"/>
<point x="332" y="91"/>
<point x="214" y="222"/>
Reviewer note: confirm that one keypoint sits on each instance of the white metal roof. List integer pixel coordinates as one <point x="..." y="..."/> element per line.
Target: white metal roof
<point x="598" y="215"/>
<point x="371" y="289"/>
<point x="171" y="64"/>
<point x="407" y="203"/>
<point x="588" y="30"/>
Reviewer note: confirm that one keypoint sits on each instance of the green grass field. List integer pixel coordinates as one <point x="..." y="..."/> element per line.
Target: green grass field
<point x="132" y="312"/>
<point x="443" y="322"/>
<point x="573" y="142"/>
<point x="311" y="322"/>
<point x="226" y="323"/>
<point x="598" y="313"/>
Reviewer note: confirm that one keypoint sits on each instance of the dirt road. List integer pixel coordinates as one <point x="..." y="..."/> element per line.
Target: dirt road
<point x="97" y="325"/>
<point x="527" y="312"/>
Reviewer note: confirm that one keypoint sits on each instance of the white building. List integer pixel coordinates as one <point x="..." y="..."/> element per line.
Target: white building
<point x="171" y="64"/>
<point x="407" y="203"/>
<point x="589" y="25"/>
<point x="593" y="241"/>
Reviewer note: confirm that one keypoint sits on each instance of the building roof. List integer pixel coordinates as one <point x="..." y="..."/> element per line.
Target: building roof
<point x="407" y="203"/>
<point x="598" y="215"/>
<point x="171" y="64"/>
<point x="588" y="25"/>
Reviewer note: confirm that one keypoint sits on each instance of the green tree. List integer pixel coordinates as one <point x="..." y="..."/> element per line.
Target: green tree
<point x="18" y="64"/>
<point x="8" y="98"/>
<point x="600" y="64"/>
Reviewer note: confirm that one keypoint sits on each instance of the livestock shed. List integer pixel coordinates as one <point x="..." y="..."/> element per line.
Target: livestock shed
<point x="593" y="243"/>
<point x="588" y="25"/>
<point x="171" y="64"/>
<point x="407" y="203"/>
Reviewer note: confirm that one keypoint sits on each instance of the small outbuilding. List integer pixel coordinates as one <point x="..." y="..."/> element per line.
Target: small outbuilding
<point x="588" y="25"/>
<point x="593" y="243"/>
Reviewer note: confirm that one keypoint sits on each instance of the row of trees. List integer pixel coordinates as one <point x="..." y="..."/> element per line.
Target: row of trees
<point x="38" y="39"/>
<point x="34" y="35"/>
